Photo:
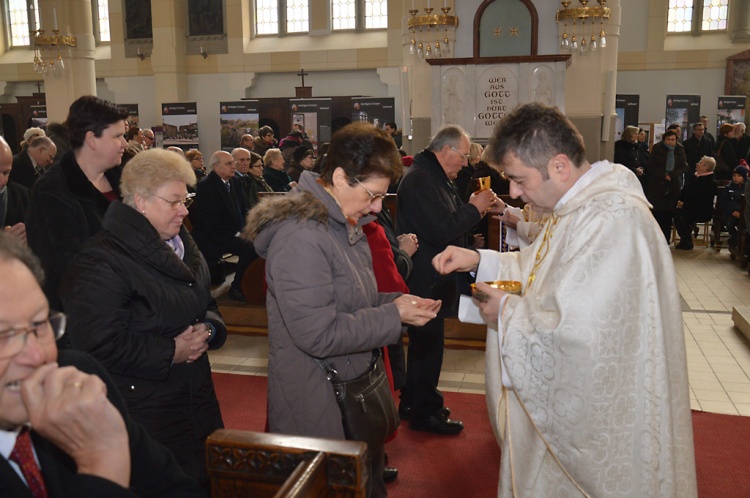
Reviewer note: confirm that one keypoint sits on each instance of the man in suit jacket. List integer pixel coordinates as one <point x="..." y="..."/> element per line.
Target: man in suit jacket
<point x="83" y="439"/>
<point x="29" y="164"/>
<point x="14" y="198"/>
<point x="218" y="216"/>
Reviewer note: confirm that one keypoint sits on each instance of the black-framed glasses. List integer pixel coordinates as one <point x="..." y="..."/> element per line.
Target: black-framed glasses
<point x="187" y="201"/>
<point x="12" y="341"/>
<point x="373" y="197"/>
<point x="465" y="156"/>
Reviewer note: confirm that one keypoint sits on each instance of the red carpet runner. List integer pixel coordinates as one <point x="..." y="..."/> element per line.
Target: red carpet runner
<point x="467" y="465"/>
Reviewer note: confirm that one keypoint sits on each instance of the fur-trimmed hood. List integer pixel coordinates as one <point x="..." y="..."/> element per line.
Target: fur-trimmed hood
<point x="308" y="202"/>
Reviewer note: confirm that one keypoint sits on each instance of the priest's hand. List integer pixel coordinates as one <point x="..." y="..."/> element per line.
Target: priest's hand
<point x="455" y="259"/>
<point x="489" y="307"/>
<point x="71" y="409"/>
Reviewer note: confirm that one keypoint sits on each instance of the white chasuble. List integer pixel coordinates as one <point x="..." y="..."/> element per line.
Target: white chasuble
<point x="596" y="399"/>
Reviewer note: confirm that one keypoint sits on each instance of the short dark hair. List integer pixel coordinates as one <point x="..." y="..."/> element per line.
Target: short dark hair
<point x="12" y="249"/>
<point x="362" y="151"/>
<point x="265" y="130"/>
<point x="132" y="132"/>
<point x="392" y="125"/>
<point x="91" y="114"/>
<point x="696" y="125"/>
<point x="669" y="133"/>
<point x="535" y="133"/>
<point x="674" y="126"/>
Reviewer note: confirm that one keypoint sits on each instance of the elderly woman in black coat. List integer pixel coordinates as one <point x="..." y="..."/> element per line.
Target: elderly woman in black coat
<point x="138" y="300"/>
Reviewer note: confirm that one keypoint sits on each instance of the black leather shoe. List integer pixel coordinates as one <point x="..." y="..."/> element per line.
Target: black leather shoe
<point x="237" y="295"/>
<point x="390" y="474"/>
<point x="443" y="413"/>
<point x="437" y="425"/>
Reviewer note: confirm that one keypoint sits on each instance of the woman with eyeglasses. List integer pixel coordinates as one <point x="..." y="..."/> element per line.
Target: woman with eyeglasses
<point x="253" y="183"/>
<point x="138" y="300"/>
<point x="326" y="304"/>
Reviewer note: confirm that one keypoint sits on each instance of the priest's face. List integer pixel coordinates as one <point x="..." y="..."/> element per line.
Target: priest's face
<point x="530" y="185"/>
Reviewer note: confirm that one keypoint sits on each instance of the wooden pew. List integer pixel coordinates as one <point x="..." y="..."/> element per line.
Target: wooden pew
<point x="245" y="463"/>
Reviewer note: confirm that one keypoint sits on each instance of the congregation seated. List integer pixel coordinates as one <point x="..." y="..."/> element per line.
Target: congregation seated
<point x="14" y="198"/>
<point x="253" y="182"/>
<point x="302" y="160"/>
<point x="274" y="172"/>
<point x="696" y="201"/>
<point x="731" y="206"/>
<point x="217" y="217"/>
<point x="195" y="158"/>
<point x="33" y="161"/>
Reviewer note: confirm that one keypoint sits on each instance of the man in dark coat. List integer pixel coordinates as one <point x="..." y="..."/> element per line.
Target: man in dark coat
<point x="81" y="434"/>
<point x="30" y="163"/>
<point x="696" y="201"/>
<point x="14" y="198"/>
<point x="697" y="146"/>
<point x="430" y="207"/>
<point x="218" y="218"/>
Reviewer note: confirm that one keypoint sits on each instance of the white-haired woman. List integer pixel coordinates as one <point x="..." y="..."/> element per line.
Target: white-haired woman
<point x="274" y="173"/>
<point x="138" y="299"/>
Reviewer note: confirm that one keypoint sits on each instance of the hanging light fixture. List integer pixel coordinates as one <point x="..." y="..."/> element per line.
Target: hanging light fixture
<point x="51" y="45"/>
<point x="432" y="44"/>
<point x="580" y="15"/>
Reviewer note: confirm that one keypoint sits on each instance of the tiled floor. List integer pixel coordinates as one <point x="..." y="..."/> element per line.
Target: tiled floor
<point x="718" y="354"/>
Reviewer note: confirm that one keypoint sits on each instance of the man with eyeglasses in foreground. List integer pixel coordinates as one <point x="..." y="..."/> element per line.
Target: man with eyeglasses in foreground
<point x="430" y="207"/>
<point x="65" y="406"/>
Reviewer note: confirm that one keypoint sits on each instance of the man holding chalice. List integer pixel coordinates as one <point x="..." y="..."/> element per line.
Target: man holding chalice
<point x="586" y="371"/>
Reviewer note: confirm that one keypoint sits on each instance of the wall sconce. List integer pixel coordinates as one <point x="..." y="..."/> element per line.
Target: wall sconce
<point x="140" y="55"/>
<point x="203" y="52"/>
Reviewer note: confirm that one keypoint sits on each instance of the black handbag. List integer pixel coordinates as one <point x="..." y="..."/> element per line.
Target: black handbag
<point x="368" y="411"/>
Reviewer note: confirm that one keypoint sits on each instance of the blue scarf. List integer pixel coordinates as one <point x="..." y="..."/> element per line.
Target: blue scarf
<point x="670" y="157"/>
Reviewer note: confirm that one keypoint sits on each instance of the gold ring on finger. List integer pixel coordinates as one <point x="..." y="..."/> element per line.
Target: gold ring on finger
<point x="78" y="385"/>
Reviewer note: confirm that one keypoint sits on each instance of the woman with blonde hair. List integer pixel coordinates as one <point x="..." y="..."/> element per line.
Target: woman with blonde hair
<point x="138" y="300"/>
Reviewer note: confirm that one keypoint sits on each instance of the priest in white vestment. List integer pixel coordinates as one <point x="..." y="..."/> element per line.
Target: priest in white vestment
<point x="586" y="372"/>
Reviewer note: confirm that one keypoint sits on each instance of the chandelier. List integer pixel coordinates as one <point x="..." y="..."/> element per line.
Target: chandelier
<point x="580" y="16"/>
<point x="48" y="46"/>
<point x="425" y="32"/>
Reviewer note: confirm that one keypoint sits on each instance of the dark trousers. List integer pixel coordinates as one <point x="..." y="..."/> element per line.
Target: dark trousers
<point x="683" y="222"/>
<point x="664" y="219"/>
<point x="424" y="361"/>
<point x="398" y="363"/>
<point x="376" y="465"/>
<point x="245" y="251"/>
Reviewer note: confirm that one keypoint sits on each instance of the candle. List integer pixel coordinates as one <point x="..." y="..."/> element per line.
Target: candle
<point x="445" y="3"/>
<point x="139" y="50"/>
<point x="201" y="48"/>
<point x="412" y="4"/>
<point x="54" y="16"/>
<point x="428" y="4"/>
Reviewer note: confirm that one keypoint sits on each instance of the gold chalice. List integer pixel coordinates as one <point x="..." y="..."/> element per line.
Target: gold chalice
<point x="509" y="286"/>
<point x="481" y="183"/>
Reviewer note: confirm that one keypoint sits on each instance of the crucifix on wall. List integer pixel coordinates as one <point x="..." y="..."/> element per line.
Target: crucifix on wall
<point x="303" y="92"/>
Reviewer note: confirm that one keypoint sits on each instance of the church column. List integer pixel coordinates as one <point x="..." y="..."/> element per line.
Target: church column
<point x="169" y="58"/>
<point x="739" y="27"/>
<point x="590" y="88"/>
<point x="79" y="77"/>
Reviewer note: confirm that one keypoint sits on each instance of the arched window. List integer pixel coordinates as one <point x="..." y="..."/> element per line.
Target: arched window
<point x="22" y="16"/>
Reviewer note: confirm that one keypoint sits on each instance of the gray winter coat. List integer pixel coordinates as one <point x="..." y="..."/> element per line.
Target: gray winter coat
<point x="322" y="302"/>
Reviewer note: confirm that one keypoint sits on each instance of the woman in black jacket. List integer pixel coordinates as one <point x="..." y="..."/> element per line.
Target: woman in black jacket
<point x="68" y="202"/>
<point x="138" y="300"/>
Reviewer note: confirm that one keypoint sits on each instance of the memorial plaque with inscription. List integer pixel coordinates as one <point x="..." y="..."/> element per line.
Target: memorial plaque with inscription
<point x="497" y="95"/>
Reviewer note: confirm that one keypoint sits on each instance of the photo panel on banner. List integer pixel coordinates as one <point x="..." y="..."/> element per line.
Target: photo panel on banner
<point x="38" y="116"/>
<point x="626" y="108"/>
<point x="684" y="110"/>
<point x="730" y="109"/>
<point x="133" y="118"/>
<point x="180" y="125"/>
<point x="314" y="116"/>
<point x="237" y="119"/>
<point x="377" y="111"/>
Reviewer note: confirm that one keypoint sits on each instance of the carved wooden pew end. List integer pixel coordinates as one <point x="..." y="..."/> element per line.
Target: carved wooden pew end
<point x="246" y="463"/>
